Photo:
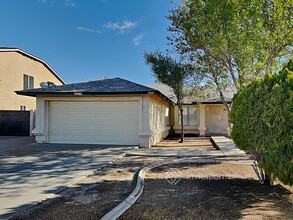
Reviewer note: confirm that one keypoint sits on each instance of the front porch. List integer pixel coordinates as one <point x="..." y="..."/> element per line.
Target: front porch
<point x="201" y="119"/>
<point x="216" y="147"/>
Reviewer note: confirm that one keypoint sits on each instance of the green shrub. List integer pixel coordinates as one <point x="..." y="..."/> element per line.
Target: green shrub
<point x="262" y="117"/>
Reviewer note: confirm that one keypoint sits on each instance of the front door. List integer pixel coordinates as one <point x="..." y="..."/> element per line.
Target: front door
<point x="216" y="119"/>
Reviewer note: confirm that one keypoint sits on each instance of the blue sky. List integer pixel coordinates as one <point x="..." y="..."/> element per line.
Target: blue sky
<point x="83" y="39"/>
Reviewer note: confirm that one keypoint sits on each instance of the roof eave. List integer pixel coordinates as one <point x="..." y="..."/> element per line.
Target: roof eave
<point x="165" y="97"/>
<point x="35" y="94"/>
<point x="219" y="102"/>
<point x="206" y="102"/>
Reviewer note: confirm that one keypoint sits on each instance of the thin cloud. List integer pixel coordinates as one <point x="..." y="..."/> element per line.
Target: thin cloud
<point x="47" y="2"/>
<point x="69" y="3"/>
<point x="137" y="40"/>
<point x="88" y="30"/>
<point x="121" y="27"/>
<point x="51" y="2"/>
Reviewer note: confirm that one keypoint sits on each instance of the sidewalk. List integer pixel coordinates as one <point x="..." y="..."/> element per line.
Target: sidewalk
<point x="191" y="148"/>
<point x="227" y="146"/>
<point x="173" y="153"/>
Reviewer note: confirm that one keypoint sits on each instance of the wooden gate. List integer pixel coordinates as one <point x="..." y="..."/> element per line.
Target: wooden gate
<point x="14" y="123"/>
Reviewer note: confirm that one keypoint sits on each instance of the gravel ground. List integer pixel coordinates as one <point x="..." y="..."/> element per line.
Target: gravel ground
<point x="218" y="191"/>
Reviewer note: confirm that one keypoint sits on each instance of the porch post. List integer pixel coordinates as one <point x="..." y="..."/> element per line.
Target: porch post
<point x="144" y="130"/>
<point x="202" y="120"/>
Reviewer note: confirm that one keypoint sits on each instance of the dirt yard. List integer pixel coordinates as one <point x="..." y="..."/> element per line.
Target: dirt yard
<point x="93" y="196"/>
<point x="182" y="191"/>
<point x="217" y="191"/>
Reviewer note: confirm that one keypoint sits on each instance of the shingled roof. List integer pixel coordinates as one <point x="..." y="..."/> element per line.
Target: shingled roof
<point x="112" y="86"/>
<point x="166" y="90"/>
<point x="208" y="96"/>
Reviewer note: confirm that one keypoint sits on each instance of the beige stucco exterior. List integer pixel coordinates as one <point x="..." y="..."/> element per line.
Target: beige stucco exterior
<point x="155" y="116"/>
<point x="13" y="65"/>
<point x="159" y="111"/>
<point x="152" y="124"/>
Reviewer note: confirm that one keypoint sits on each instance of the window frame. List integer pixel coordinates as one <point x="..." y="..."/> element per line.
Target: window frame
<point x="166" y="117"/>
<point x="28" y="82"/>
<point x="186" y="121"/>
<point x="22" y="108"/>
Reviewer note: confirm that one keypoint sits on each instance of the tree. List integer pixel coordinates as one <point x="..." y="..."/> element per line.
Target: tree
<point x="262" y="116"/>
<point x="233" y="42"/>
<point x="173" y="73"/>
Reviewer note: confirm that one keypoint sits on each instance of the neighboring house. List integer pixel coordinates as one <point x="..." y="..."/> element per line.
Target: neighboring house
<point x="20" y="70"/>
<point x="116" y="111"/>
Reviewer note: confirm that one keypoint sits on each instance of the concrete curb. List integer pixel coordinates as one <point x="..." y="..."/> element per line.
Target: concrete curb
<point x="178" y="155"/>
<point x="134" y="196"/>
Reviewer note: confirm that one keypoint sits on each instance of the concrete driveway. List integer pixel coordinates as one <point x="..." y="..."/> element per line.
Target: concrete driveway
<point x="30" y="172"/>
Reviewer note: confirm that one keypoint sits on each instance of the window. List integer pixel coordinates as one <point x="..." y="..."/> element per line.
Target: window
<point x="167" y="117"/>
<point x="22" y="108"/>
<point x="28" y="82"/>
<point x="189" y="116"/>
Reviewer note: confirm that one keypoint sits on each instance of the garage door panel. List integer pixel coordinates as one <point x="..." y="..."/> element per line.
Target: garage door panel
<point x="84" y="114"/>
<point x="93" y="122"/>
<point x="89" y="131"/>
<point x="94" y="125"/>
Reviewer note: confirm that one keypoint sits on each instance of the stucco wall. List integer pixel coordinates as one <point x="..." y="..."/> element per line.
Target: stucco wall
<point x="159" y="128"/>
<point x="12" y="67"/>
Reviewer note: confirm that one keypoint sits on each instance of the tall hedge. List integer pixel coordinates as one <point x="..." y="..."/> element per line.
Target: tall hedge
<point x="262" y="117"/>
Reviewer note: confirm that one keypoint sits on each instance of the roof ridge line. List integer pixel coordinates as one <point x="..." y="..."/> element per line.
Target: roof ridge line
<point x="10" y="49"/>
<point x="139" y="84"/>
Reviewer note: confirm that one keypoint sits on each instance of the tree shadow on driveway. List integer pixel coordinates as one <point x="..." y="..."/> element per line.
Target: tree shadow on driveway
<point x="29" y="174"/>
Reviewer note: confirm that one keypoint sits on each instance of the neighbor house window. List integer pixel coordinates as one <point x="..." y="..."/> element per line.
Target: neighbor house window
<point x="189" y="116"/>
<point x="22" y="108"/>
<point x="28" y="82"/>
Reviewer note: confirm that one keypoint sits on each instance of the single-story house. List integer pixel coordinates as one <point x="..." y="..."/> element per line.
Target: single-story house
<point x="117" y="111"/>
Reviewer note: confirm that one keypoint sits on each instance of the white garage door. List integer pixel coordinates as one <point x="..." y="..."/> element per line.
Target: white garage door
<point x="93" y="122"/>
